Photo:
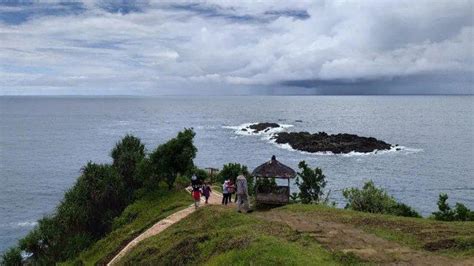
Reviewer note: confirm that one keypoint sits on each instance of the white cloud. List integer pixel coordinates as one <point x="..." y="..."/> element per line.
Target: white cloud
<point x="192" y="45"/>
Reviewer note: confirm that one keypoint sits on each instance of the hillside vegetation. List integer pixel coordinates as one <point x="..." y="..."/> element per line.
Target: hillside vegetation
<point x="304" y="235"/>
<point x="135" y="219"/>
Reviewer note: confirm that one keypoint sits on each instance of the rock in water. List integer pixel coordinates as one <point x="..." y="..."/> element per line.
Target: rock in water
<point x="323" y="142"/>
<point x="263" y="126"/>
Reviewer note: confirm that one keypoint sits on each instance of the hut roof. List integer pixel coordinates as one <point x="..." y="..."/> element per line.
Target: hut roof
<point x="274" y="168"/>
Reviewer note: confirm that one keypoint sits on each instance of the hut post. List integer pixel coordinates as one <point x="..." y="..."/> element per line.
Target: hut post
<point x="289" y="190"/>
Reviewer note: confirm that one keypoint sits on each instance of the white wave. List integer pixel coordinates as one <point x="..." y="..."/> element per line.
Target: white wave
<point x="245" y="130"/>
<point x="25" y="224"/>
<point x="393" y="150"/>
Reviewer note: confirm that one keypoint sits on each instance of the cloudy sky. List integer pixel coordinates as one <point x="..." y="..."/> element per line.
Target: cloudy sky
<point x="236" y="47"/>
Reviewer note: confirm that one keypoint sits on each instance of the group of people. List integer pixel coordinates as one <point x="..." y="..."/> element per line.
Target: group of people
<point x="229" y="188"/>
<point x="199" y="188"/>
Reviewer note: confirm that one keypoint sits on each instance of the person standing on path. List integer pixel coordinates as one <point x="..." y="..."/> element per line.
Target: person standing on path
<point x="225" y="192"/>
<point x="231" y="190"/>
<point x="242" y="194"/>
<point x="206" y="191"/>
<point x="196" y="190"/>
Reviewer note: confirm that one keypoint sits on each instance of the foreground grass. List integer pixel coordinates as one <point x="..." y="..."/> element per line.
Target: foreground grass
<point x="452" y="239"/>
<point x="135" y="219"/>
<point x="216" y="235"/>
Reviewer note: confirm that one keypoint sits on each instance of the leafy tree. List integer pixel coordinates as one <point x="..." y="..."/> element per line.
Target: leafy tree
<point x="375" y="200"/>
<point x="85" y="214"/>
<point x="201" y="174"/>
<point x="311" y="183"/>
<point x="174" y="157"/>
<point x="12" y="257"/>
<point x="445" y="213"/>
<point x="231" y="171"/>
<point x="126" y="155"/>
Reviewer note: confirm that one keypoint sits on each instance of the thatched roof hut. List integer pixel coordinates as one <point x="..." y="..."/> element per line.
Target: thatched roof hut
<point x="269" y="193"/>
<point x="274" y="168"/>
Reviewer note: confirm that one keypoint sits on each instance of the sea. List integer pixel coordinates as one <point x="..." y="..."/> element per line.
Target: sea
<point x="44" y="142"/>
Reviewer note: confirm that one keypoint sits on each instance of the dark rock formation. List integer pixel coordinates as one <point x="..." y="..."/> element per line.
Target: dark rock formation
<point x="263" y="126"/>
<point x="322" y="142"/>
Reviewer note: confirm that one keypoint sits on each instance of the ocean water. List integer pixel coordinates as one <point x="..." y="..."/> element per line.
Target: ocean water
<point x="44" y="142"/>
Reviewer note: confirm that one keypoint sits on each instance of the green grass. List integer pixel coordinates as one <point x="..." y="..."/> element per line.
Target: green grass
<point x="216" y="235"/>
<point x="135" y="219"/>
<point x="453" y="239"/>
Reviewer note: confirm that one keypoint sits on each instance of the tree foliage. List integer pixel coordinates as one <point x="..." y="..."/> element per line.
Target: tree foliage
<point x="126" y="155"/>
<point x="375" y="200"/>
<point x="12" y="257"/>
<point x="174" y="157"/>
<point x="445" y="213"/>
<point x="311" y="183"/>
<point x="231" y="171"/>
<point x="100" y="194"/>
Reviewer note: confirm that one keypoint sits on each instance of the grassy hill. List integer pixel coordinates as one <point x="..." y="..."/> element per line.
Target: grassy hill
<point x="305" y="235"/>
<point x="135" y="219"/>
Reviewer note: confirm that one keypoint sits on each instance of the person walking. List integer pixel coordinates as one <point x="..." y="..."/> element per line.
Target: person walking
<point x="231" y="190"/>
<point x="242" y="194"/>
<point x="206" y="191"/>
<point x="225" y="192"/>
<point x="196" y="190"/>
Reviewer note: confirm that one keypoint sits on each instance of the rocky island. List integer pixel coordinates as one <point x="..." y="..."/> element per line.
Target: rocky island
<point x="323" y="142"/>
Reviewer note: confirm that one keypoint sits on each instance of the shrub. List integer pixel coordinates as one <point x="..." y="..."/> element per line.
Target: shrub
<point x="266" y="185"/>
<point x="231" y="171"/>
<point x="445" y="213"/>
<point x="12" y="257"/>
<point x="126" y="155"/>
<point x="85" y="214"/>
<point x="311" y="183"/>
<point x="174" y="157"/>
<point x="375" y="200"/>
<point x="201" y="174"/>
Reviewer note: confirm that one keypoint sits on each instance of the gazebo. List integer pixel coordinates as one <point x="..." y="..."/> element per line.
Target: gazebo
<point x="274" y="194"/>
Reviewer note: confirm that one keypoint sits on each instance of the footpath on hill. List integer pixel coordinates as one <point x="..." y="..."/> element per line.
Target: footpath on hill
<point x="334" y="234"/>
<point x="160" y="226"/>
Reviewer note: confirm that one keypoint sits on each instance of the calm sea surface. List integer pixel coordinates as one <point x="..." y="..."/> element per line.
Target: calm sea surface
<point x="44" y="141"/>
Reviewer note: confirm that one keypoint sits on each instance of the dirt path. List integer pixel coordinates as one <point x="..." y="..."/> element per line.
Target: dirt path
<point x="348" y="239"/>
<point x="161" y="225"/>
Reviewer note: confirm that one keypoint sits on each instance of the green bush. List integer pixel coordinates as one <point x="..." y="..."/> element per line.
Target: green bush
<point x="445" y="213"/>
<point x="231" y="171"/>
<point x="376" y="200"/>
<point x="89" y="209"/>
<point x="126" y="155"/>
<point x="311" y="183"/>
<point x="174" y="157"/>
<point x="85" y="215"/>
<point x="12" y="257"/>
<point x="266" y="185"/>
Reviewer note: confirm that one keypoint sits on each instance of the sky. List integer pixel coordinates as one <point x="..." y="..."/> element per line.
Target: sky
<point x="236" y="47"/>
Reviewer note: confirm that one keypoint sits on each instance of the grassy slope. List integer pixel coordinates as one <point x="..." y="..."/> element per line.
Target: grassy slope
<point x="217" y="235"/>
<point x="453" y="239"/>
<point x="135" y="219"/>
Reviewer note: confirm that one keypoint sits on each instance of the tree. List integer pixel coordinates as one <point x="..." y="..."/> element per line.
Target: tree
<point x="311" y="183"/>
<point x="231" y="171"/>
<point x="126" y="155"/>
<point x="12" y="257"/>
<point x="375" y="200"/>
<point x="445" y="213"/>
<point x="174" y="157"/>
<point x="84" y="215"/>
